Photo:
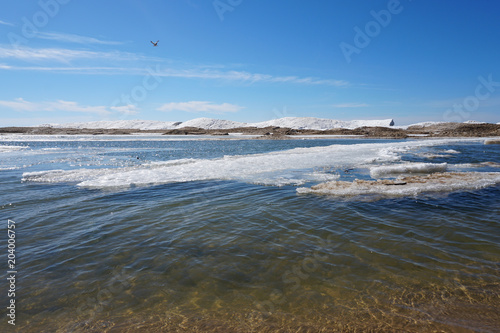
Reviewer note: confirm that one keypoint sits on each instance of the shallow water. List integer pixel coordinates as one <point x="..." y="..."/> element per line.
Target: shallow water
<point x="229" y="254"/>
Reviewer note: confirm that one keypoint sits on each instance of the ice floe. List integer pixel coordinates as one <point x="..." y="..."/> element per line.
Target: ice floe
<point x="407" y="185"/>
<point x="406" y="168"/>
<point x="308" y="164"/>
<point x="6" y="149"/>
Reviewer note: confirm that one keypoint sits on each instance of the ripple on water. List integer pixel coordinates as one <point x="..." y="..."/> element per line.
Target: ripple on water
<point x="219" y="256"/>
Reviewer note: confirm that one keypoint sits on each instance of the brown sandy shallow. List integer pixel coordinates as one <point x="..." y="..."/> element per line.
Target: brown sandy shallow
<point x="457" y="308"/>
<point x="435" y="130"/>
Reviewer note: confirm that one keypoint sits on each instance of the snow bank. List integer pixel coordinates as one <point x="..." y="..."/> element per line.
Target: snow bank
<point x="121" y="124"/>
<point x="321" y="124"/>
<point x="209" y="123"/>
<point x="474" y="122"/>
<point x="407" y="168"/>
<point x="422" y="124"/>
<point x="407" y="186"/>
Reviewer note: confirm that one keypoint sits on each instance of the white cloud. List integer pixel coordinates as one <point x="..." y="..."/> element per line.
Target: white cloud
<point x="62" y="37"/>
<point x="351" y="105"/>
<point x="249" y="77"/>
<point x="127" y="110"/>
<point x="65" y="55"/>
<point x="6" y="23"/>
<point x="20" y="104"/>
<point x="200" y="106"/>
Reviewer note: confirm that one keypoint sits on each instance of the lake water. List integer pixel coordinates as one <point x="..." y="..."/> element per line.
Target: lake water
<point x="160" y="234"/>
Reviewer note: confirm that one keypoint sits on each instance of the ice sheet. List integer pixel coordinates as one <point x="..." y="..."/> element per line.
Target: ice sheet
<point x="406" y="168"/>
<point x="407" y="186"/>
<point x="276" y="168"/>
<point x="6" y="149"/>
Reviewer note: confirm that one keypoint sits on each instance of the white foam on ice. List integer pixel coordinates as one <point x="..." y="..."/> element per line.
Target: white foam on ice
<point x="291" y="166"/>
<point x="406" y="168"/>
<point x="6" y="149"/>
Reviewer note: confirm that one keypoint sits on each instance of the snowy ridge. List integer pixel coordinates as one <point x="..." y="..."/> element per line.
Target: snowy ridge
<point x="121" y="124"/>
<point x="322" y="124"/>
<point x="209" y="123"/>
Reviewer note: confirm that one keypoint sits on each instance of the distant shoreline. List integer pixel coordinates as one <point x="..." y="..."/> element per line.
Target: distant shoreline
<point x="432" y="130"/>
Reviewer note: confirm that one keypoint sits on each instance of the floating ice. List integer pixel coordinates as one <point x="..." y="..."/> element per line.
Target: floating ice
<point x="275" y="168"/>
<point x="407" y="186"/>
<point x="406" y="168"/>
<point x="6" y="149"/>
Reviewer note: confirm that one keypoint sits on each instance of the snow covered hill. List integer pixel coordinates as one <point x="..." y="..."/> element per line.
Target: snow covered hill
<point x="322" y="124"/>
<point x="209" y="123"/>
<point x="121" y="124"/>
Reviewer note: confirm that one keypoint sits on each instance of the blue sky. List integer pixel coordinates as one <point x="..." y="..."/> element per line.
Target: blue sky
<point x="410" y="60"/>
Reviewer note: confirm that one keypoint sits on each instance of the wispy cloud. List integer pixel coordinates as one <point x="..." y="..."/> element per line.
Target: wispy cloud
<point x="6" y="23"/>
<point x="199" y="72"/>
<point x="65" y="55"/>
<point x="20" y="104"/>
<point x="351" y="105"/>
<point x="127" y="110"/>
<point x="71" y="38"/>
<point x="233" y="76"/>
<point x="249" y="77"/>
<point x="200" y="106"/>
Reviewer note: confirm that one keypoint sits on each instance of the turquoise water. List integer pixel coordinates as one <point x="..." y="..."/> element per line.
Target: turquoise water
<point x="244" y="252"/>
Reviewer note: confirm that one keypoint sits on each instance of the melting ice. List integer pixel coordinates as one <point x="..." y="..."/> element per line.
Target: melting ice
<point x="296" y="166"/>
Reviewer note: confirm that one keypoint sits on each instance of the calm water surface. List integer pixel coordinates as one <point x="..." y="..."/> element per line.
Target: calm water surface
<point x="229" y="255"/>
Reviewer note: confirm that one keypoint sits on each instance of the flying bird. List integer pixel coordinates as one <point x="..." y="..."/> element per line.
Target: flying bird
<point x="155" y="44"/>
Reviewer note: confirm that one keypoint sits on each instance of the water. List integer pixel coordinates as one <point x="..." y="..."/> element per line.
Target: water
<point x="160" y="235"/>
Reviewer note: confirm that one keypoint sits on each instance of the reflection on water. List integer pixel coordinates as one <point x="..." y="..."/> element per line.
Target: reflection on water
<point x="225" y="256"/>
<point x="232" y="257"/>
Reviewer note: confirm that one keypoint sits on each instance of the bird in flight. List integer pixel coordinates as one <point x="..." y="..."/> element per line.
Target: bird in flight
<point x="155" y="44"/>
